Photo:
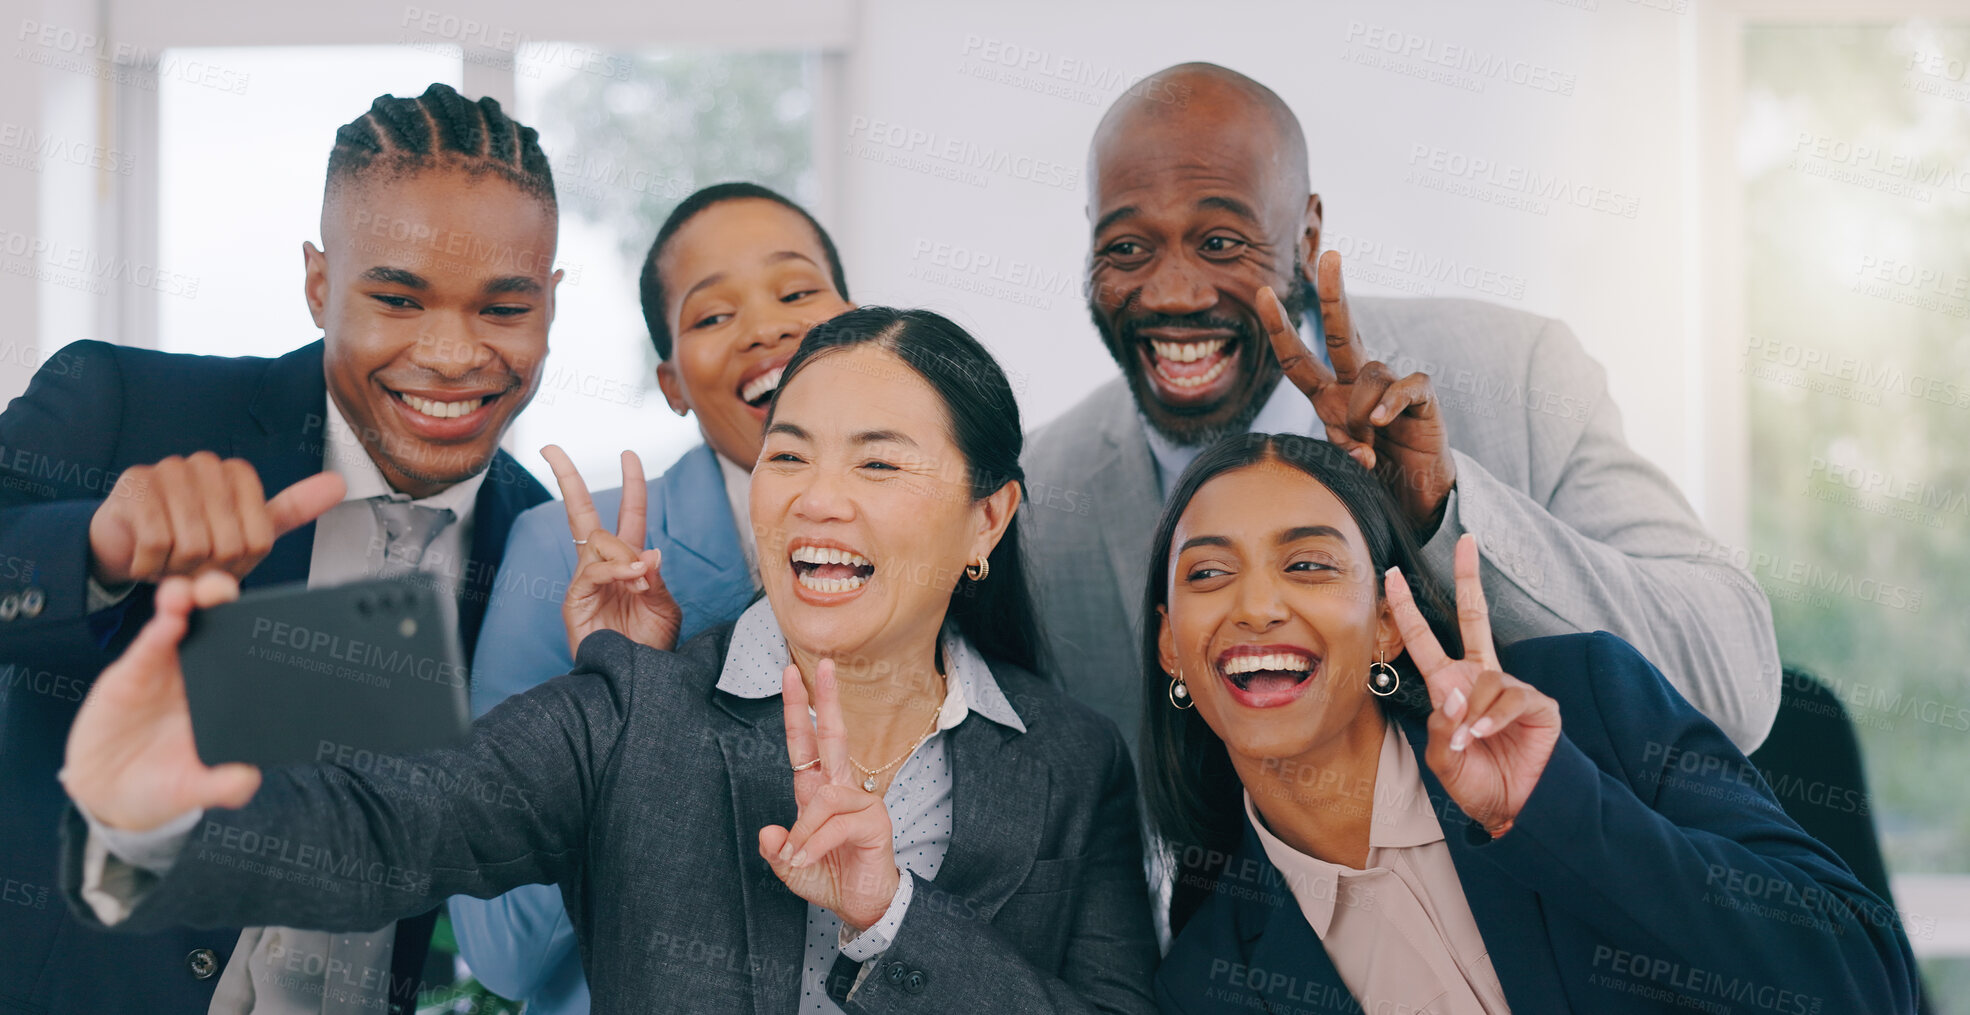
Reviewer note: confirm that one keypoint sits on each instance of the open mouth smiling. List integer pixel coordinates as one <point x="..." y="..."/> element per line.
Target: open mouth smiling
<point x="1191" y="364"/>
<point x="757" y="386"/>
<point x="829" y="570"/>
<point x="435" y="414"/>
<point x="1264" y="676"/>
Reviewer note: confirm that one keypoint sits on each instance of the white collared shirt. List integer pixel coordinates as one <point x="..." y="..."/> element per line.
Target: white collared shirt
<point x="348" y="544"/>
<point x="738" y="495"/>
<point x="918" y="799"/>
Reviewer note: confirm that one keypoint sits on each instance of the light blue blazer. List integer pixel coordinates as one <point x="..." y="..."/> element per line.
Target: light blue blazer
<point x="521" y="944"/>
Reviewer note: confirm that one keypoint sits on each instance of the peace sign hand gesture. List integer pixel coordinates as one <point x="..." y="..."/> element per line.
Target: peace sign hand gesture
<point x="1391" y="425"/>
<point x="840" y="854"/>
<point x="616" y="586"/>
<point x="1491" y="733"/>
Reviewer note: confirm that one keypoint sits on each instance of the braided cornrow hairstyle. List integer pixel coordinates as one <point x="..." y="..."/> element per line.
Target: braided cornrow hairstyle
<point x="440" y="129"/>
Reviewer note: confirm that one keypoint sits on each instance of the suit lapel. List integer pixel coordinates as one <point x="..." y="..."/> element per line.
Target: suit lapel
<point x="756" y="767"/>
<point x="508" y="490"/>
<point x="1273" y="935"/>
<point x="1130" y="499"/>
<point x="1506" y="913"/>
<point x="997" y="797"/>
<point x="696" y="518"/>
<point x="291" y="408"/>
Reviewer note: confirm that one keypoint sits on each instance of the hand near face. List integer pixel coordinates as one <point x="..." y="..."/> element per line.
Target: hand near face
<point x="616" y="586"/>
<point x="183" y="515"/>
<point x="1391" y="425"/>
<point x="839" y="854"/>
<point x="131" y="760"/>
<point x="1491" y="733"/>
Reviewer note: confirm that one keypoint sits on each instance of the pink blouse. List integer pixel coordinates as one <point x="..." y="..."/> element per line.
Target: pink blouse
<point x="1398" y="931"/>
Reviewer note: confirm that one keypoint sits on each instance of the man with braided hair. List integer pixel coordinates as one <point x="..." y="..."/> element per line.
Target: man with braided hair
<point x="374" y="450"/>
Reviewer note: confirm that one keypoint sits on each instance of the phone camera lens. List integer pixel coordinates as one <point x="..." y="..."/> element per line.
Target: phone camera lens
<point x="386" y="601"/>
<point x="364" y="607"/>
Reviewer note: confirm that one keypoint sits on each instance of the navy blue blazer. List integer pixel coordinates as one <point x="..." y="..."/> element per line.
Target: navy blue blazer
<point x="91" y="411"/>
<point x="1651" y="870"/>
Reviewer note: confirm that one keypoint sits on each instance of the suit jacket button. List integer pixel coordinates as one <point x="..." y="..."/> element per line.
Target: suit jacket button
<point x="203" y="963"/>
<point x="32" y="600"/>
<point x="895" y="972"/>
<point x="913" y="983"/>
<point x="10" y="604"/>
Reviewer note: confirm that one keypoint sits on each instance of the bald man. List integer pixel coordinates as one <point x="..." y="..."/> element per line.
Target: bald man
<point x="1480" y="418"/>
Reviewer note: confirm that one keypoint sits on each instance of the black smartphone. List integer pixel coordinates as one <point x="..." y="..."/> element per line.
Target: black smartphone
<point x="293" y="674"/>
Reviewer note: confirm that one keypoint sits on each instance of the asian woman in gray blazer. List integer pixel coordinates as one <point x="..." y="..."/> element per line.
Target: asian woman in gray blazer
<point x="946" y="833"/>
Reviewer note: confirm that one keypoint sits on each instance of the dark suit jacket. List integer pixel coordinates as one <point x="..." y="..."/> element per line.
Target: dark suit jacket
<point x="93" y="410"/>
<point x="640" y="789"/>
<point x="1651" y="870"/>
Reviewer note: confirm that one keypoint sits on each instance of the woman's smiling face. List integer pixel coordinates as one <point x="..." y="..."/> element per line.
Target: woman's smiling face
<point x="1274" y="613"/>
<point x="744" y="281"/>
<point x="862" y="507"/>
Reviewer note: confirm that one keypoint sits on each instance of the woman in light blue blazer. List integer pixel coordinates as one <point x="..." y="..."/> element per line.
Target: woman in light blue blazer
<point x="737" y="275"/>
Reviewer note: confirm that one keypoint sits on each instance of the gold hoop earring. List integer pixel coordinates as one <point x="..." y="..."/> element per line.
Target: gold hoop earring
<point x="979" y="570"/>
<point x="1383" y="680"/>
<point x="1179" y="692"/>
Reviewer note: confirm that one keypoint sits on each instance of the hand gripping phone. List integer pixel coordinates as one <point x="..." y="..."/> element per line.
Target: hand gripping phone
<point x="293" y="674"/>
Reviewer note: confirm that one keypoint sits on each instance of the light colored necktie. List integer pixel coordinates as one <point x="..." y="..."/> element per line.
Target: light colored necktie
<point x="405" y="529"/>
<point x="285" y="971"/>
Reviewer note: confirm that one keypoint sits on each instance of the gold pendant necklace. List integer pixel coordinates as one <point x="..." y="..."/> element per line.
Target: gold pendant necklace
<point x="869" y="774"/>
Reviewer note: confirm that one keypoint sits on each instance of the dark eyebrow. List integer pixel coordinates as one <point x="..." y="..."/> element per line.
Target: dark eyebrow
<point x="789" y="255"/>
<point x="789" y="430"/>
<point x="1294" y="535"/>
<point x="1230" y="204"/>
<point x="883" y="436"/>
<point x="513" y="284"/>
<point x="711" y="279"/>
<point x="396" y="276"/>
<point x="1204" y="541"/>
<point x="1125" y="211"/>
<point x="717" y="277"/>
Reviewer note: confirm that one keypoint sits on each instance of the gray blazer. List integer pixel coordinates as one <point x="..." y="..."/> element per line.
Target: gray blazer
<point x="640" y="789"/>
<point x="1579" y="532"/>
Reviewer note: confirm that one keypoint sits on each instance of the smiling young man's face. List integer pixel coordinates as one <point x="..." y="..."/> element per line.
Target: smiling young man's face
<point x="744" y="281"/>
<point x="1274" y="613"/>
<point x="434" y="292"/>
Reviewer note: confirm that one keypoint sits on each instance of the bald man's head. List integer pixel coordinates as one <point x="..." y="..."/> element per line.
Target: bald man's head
<point x="1198" y="196"/>
<point x="1204" y="96"/>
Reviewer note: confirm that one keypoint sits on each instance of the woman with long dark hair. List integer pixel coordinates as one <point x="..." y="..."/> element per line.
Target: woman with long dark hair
<point x="941" y="832"/>
<point x="1372" y="808"/>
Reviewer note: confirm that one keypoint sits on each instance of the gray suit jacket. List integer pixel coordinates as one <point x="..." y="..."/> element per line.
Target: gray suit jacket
<point x="1579" y="532"/>
<point x="640" y="789"/>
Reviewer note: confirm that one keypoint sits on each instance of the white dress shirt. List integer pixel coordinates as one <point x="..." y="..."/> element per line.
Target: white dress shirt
<point x="918" y="799"/>
<point x="348" y="544"/>
<point x="738" y="494"/>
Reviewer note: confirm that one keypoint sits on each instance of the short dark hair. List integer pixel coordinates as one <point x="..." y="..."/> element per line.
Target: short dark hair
<point x="997" y="614"/>
<point x="650" y="285"/>
<point x="1191" y="791"/>
<point x="440" y="129"/>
